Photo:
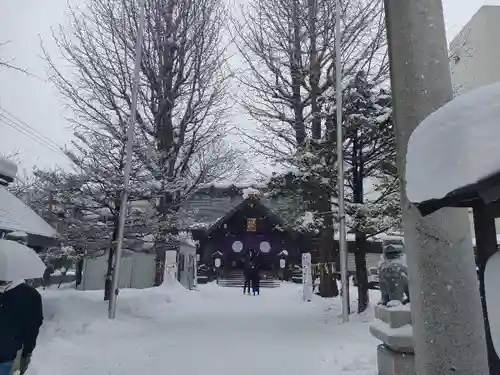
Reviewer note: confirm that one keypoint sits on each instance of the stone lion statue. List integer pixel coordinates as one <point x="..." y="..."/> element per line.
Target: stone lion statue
<point x="393" y="275"/>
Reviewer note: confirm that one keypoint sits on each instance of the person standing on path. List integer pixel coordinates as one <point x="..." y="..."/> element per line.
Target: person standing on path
<point x="255" y="278"/>
<point x="47" y="275"/>
<point x="21" y="316"/>
<point x="247" y="274"/>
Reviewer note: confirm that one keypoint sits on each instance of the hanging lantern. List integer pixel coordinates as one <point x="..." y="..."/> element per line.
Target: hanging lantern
<point x="265" y="247"/>
<point x="237" y="246"/>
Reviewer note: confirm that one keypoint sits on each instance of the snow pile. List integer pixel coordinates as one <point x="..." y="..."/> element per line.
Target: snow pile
<point x="192" y="332"/>
<point x="74" y="309"/>
<point x="250" y="192"/>
<point x="456" y="146"/>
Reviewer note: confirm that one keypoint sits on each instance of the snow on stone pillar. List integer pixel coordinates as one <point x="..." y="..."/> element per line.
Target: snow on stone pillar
<point x="446" y="309"/>
<point x="307" y="282"/>
<point x="170" y="275"/>
<point x="196" y="261"/>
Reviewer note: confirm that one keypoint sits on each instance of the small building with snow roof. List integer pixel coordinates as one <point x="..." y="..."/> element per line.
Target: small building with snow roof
<point x="16" y="216"/>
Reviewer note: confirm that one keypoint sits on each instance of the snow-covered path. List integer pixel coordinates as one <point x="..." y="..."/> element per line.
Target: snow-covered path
<point x="215" y="331"/>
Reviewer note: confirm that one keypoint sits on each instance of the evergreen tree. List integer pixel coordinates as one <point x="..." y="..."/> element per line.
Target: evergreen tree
<point x="369" y="152"/>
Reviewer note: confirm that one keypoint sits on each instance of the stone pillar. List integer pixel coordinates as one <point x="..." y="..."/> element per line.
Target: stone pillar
<point x="447" y="315"/>
<point x="392" y="326"/>
<point x="307" y="281"/>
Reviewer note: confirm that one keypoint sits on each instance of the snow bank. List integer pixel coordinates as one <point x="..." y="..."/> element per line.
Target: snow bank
<point x="455" y="146"/>
<point x="73" y="311"/>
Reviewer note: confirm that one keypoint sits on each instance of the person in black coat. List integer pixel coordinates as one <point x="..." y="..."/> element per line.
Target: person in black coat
<point x="247" y="274"/>
<point x="46" y="276"/>
<point x="256" y="278"/>
<point x="21" y="316"/>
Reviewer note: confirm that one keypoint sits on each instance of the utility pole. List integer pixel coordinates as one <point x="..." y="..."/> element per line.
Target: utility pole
<point x="128" y="162"/>
<point x="447" y="319"/>
<point x="344" y="275"/>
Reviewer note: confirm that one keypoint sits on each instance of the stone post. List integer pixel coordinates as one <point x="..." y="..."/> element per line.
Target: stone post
<point x="447" y="320"/>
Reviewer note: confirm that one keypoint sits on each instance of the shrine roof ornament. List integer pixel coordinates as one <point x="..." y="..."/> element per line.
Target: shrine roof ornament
<point x="251" y="193"/>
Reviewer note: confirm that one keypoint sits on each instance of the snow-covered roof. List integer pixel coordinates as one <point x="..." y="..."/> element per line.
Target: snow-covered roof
<point x="456" y="146"/>
<point x="249" y="192"/>
<point x="8" y="168"/>
<point x="17" y="216"/>
<point x="206" y="207"/>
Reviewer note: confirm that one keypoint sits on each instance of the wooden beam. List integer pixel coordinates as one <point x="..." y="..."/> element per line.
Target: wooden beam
<point x="494" y="209"/>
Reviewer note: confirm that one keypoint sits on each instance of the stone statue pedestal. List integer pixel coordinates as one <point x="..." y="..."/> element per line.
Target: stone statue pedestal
<point x="392" y="326"/>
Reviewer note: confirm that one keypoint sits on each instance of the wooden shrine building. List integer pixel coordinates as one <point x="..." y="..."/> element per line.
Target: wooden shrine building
<point x="230" y="224"/>
<point x="249" y="227"/>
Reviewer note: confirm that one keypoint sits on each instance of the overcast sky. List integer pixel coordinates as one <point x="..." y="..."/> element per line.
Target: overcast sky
<point x="34" y="101"/>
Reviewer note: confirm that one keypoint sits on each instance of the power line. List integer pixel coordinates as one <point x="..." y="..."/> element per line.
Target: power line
<point x="32" y="129"/>
<point x="5" y="120"/>
<point x="11" y="124"/>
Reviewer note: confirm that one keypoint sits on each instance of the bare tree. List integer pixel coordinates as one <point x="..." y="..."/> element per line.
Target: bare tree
<point x="9" y="64"/>
<point x="6" y="63"/>
<point x="183" y="107"/>
<point x="288" y="46"/>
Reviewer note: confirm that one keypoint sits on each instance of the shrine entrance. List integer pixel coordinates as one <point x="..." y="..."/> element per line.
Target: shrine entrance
<point x="260" y="253"/>
<point x="250" y="229"/>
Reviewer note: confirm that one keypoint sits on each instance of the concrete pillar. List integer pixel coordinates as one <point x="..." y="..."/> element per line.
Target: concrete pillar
<point x="446" y="309"/>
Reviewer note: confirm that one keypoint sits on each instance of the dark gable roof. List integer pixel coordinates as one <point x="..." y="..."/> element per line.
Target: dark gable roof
<point x="271" y="215"/>
<point x="210" y="204"/>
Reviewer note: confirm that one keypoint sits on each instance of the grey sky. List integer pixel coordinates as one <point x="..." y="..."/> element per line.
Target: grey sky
<point x="35" y="101"/>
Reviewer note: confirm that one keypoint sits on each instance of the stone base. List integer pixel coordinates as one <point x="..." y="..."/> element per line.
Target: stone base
<point x="398" y="339"/>
<point x="395" y="317"/>
<point x="391" y="362"/>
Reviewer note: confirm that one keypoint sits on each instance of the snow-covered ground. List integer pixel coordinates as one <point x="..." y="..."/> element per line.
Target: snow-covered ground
<point x="213" y="331"/>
